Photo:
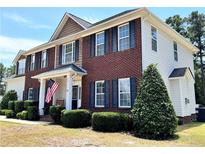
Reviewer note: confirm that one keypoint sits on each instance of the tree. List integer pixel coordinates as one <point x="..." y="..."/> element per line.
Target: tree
<point x="153" y="113"/>
<point x="177" y="23"/>
<point x="2" y="85"/>
<point x="10" y="71"/>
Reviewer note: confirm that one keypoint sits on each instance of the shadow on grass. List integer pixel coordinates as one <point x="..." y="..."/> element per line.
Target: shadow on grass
<point x="189" y="126"/>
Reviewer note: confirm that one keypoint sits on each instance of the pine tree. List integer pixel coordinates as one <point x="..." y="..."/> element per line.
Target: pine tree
<point x="153" y="113"/>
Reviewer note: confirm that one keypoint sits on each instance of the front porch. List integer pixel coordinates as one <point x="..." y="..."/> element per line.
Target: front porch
<point x="68" y="93"/>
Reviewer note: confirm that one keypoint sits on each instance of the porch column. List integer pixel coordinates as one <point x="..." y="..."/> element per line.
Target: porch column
<point x="69" y="83"/>
<point x="42" y="96"/>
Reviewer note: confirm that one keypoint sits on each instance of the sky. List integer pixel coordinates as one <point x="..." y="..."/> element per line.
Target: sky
<point x="24" y="28"/>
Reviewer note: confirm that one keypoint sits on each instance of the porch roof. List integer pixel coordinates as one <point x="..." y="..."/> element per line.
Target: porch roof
<point x="61" y="71"/>
<point x="180" y="72"/>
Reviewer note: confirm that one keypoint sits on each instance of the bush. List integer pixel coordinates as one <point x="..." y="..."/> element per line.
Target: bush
<point x="30" y="103"/>
<point x="9" y="96"/>
<point x="18" y="106"/>
<point x="11" y="105"/>
<point x="2" y="112"/>
<point x="111" y="121"/>
<point x="76" y="118"/>
<point x="22" y="115"/>
<point x="9" y="113"/>
<point x="55" y="113"/>
<point x="33" y="113"/>
<point x="153" y="114"/>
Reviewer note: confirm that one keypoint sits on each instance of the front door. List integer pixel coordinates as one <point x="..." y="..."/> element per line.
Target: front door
<point x="75" y="98"/>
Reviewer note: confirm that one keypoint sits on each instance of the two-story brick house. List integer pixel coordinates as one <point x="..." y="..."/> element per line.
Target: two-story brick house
<point x="99" y="66"/>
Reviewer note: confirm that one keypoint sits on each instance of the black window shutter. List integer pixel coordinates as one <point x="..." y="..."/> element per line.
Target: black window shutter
<point x="106" y="93"/>
<point x="28" y="62"/>
<point x="115" y="93"/>
<point x="92" y="94"/>
<point x="17" y="68"/>
<point x="25" y="94"/>
<point x="132" y="29"/>
<point x="114" y="39"/>
<point x="133" y="90"/>
<point x="76" y="50"/>
<point x="46" y="58"/>
<point x="60" y="55"/>
<point x="36" y="94"/>
<point x="92" y="45"/>
<point x="39" y="60"/>
<point x="107" y="39"/>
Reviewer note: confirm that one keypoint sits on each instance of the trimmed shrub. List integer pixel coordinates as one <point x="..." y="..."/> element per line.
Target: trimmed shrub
<point x="153" y="113"/>
<point x="11" y="105"/>
<point x="9" y="114"/>
<point x="33" y="113"/>
<point x="30" y="103"/>
<point x="18" y="106"/>
<point x="9" y="96"/>
<point x="55" y="113"/>
<point x="22" y="115"/>
<point x="111" y="121"/>
<point x="76" y="118"/>
<point x="2" y="112"/>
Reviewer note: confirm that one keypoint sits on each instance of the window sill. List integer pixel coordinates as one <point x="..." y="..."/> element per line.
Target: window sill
<point x="99" y="106"/>
<point x="124" y="107"/>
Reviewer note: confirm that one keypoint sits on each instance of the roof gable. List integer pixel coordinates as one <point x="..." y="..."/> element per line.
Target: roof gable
<point x="69" y="24"/>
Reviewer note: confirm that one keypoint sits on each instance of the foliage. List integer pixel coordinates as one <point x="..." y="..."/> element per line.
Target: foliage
<point x="18" y="106"/>
<point x="2" y="112"/>
<point x="9" y="113"/>
<point x="76" y="118"/>
<point x="153" y="112"/>
<point x="9" y="96"/>
<point x="22" y="115"/>
<point x="2" y="84"/>
<point x="11" y="105"/>
<point x="33" y="113"/>
<point x="111" y="121"/>
<point x="30" y="103"/>
<point x="55" y="113"/>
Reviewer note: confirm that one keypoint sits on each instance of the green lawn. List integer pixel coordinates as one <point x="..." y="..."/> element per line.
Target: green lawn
<point x="13" y="134"/>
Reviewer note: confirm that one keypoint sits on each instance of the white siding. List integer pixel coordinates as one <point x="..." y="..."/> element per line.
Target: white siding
<point x="164" y="57"/>
<point x="16" y="84"/>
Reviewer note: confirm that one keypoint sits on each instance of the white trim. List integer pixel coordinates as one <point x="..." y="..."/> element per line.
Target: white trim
<point x="32" y="62"/>
<point x="100" y="81"/>
<point x="96" y="45"/>
<point x="45" y="51"/>
<point x="124" y="92"/>
<point x="118" y="36"/>
<point x="64" y="52"/>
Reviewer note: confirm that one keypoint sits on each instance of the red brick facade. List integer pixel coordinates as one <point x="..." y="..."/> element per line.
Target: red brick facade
<point x="111" y="66"/>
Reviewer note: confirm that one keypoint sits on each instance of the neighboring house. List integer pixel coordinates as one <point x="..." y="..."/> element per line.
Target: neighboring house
<point x="99" y="66"/>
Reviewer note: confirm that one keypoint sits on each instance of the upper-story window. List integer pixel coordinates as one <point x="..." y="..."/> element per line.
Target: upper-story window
<point x="44" y="59"/>
<point x="32" y="62"/>
<point x="175" y="51"/>
<point x="21" y="66"/>
<point x="68" y="55"/>
<point x="123" y="37"/>
<point x="124" y="92"/>
<point x="154" y="38"/>
<point x="100" y="41"/>
<point x="99" y="93"/>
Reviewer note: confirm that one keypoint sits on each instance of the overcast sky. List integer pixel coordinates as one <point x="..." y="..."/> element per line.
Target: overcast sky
<point x="24" y="28"/>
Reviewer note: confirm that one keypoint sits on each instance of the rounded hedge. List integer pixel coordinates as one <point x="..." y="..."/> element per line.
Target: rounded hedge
<point x="33" y="113"/>
<point x="18" y="106"/>
<point x="11" y="105"/>
<point x="9" y="96"/>
<point x="55" y="112"/>
<point x="9" y="114"/>
<point x="76" y="118"/>
<point x="30" y="103"/>
<point x="22" y="115"/>
<point x="2" y="112"/>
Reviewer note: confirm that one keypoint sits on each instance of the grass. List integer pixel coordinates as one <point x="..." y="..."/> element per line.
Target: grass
<point x="13" y="134"/>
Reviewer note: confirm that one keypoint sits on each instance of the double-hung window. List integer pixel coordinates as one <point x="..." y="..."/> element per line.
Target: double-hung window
<point x="124" y="93"/>
<point x="99" y="93"/>
<point x="175" y="51"/>
<point x="44" y="59"/>
<point x="30" y="94"/>
<point x="154" y="38"/>
<point x="100" y="41"/>
<point x="21" y="66"/>
<point x="123" y="37"/>
<point x="32" y="66"/>
<point x="68" y="55"/>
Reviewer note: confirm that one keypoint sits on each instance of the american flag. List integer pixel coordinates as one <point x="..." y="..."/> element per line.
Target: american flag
<point x="52" y="87"/>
